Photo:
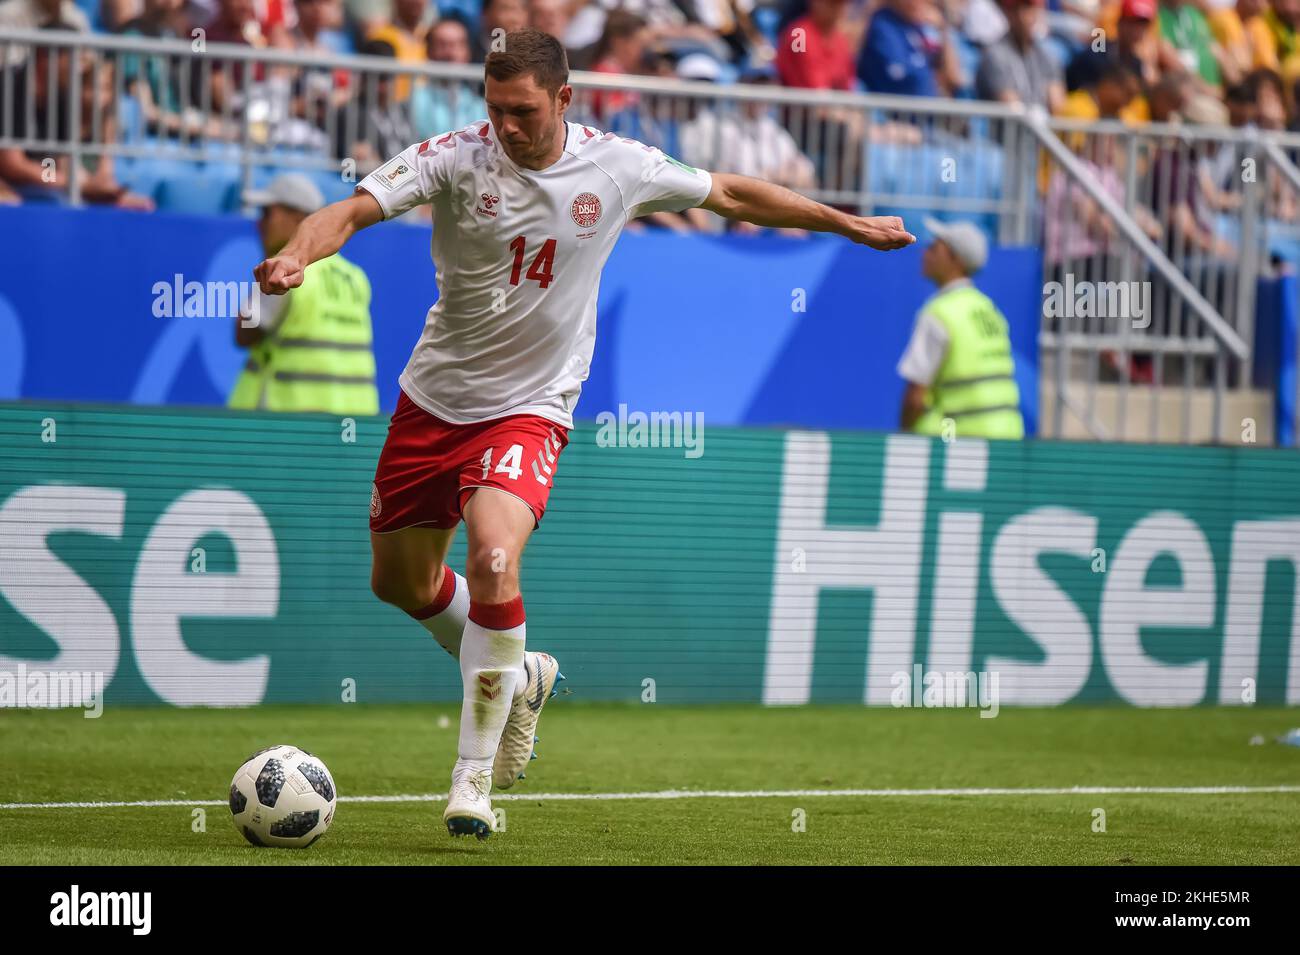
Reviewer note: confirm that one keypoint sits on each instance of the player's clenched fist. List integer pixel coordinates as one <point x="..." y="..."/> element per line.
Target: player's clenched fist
<point x="278" y="274"/>
<point x="884" y="233"/>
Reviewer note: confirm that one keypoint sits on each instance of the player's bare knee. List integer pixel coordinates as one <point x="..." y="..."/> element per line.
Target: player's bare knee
<point x="492" y="571"/>
<point x="396" y="590"/>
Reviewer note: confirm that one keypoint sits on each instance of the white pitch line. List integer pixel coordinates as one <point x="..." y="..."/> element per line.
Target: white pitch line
<point x="722" y="794"/>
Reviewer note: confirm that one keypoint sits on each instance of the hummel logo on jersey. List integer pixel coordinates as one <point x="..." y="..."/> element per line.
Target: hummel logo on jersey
<point x="486" y="202"/>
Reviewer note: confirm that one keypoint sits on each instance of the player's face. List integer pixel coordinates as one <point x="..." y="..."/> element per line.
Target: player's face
<point x="527" y="118"/>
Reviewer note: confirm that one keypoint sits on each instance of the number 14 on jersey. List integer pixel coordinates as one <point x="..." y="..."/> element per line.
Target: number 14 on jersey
<point x="539" y="270"/>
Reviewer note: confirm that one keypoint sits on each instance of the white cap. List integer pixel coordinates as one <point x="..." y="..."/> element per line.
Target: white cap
<point x="965" y="240"/>
<point x="291" y="189"/>
<point x="699" y="66"/>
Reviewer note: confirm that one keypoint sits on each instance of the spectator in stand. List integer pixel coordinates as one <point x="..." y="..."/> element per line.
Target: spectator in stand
<point x="235" y="22"/>
<point x="498" y="18"/>
<point x="316" y="92"/>
<point x="1130" y="25"/>
<point x="983" y="22"/>
<point x="550" y="16"/>
<point x="1138" y="38"/>
<point x="437" y="107"/>
<point x="405" y="32"/>
<point x="155" y="82"/>
<point x="1131" y="38"/>
<point x="1270" y="99"/>
<point x="40" y="176"/>
<point x="749" y="141"/>
<point x="667" y="20"/>
<point x="1177" y="188"/>
<point x="406" y="35"/>
<point x="814" y="51"/>
<point x="151" y="80"/>
<point x="1020" y="68"/>
<point x="1168" y="97"/>
<point x="621" y="50"/>
<point x="1283" y="20"/>
<point x="1077" y="234"/>
<point x="1218" y="165"/>
<point x="385" y="128"/>
<point x="730" y="20"/>
<point x="909" y="51"/>
<point x="194" y="15"/>
<point x="1111" y="96"/>
<point x="1243" y="34"/>
<point x="1240" y="100"/>
<point x="1184" y="27"/>
<point x="312" y="27"/>
<point x="36" y="15"/>
<point x="115" y="14"/>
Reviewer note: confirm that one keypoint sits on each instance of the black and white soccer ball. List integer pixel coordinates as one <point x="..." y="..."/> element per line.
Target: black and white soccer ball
<point x="283" y="797"/>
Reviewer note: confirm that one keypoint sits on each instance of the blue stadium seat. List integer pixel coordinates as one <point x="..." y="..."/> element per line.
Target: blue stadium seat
<point x="653" y="132"/>
<point x="144" y="174"/>
<point x="209" y="189"/>
<point x="332" y="186"/>
<point x="975" y="166"/>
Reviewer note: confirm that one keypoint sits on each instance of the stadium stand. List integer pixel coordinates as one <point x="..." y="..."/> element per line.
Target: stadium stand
<point x="1152" y="159"/>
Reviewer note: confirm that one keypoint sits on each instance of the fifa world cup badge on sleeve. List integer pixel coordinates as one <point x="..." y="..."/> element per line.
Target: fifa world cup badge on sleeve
<point x="394" y="173"/>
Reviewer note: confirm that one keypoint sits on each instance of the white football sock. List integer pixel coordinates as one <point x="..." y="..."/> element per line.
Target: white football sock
<point x="491" y="666"/>
<point x="446" y="617"/>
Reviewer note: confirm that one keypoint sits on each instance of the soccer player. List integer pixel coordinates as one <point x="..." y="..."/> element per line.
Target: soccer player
<point x="527" y="208"/>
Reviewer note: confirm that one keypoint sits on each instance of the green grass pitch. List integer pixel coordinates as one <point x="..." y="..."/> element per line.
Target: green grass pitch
<point x="587" y="748"/>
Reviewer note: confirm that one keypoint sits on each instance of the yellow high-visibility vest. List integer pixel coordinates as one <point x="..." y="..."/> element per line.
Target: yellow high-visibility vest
<point x="975" y="386"/>
<point x="320" y="358"/>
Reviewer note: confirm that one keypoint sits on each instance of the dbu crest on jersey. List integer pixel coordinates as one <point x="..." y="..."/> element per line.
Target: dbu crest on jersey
<point x="375" y="506"/>
<point x="586" y="210"/>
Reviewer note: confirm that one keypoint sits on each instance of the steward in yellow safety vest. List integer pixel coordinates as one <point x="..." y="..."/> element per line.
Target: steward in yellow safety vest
<point x="958" y="365"/>
<point x="311" y="349"/>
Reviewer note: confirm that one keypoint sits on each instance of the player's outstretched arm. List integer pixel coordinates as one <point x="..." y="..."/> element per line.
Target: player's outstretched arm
<point x="317" y="237"/>
<point x="767" y="204"/>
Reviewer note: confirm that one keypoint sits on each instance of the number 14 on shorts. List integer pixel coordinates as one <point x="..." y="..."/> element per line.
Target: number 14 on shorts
<point x="511" y="463"/>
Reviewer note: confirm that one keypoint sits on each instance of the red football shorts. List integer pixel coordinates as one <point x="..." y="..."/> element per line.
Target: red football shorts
<point x="429" y="467"/>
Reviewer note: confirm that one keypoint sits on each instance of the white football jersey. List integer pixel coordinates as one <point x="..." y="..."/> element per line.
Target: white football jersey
<point x="518" y="255"/>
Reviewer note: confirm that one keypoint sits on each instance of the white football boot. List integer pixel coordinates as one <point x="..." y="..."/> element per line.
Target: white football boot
<point x="517" y="739"/>
<point x="469" y="810"/>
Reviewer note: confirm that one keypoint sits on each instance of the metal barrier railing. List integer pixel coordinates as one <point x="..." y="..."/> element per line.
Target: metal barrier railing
<point x="1113" y="207"/>
<point x="1132" y="217"/>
